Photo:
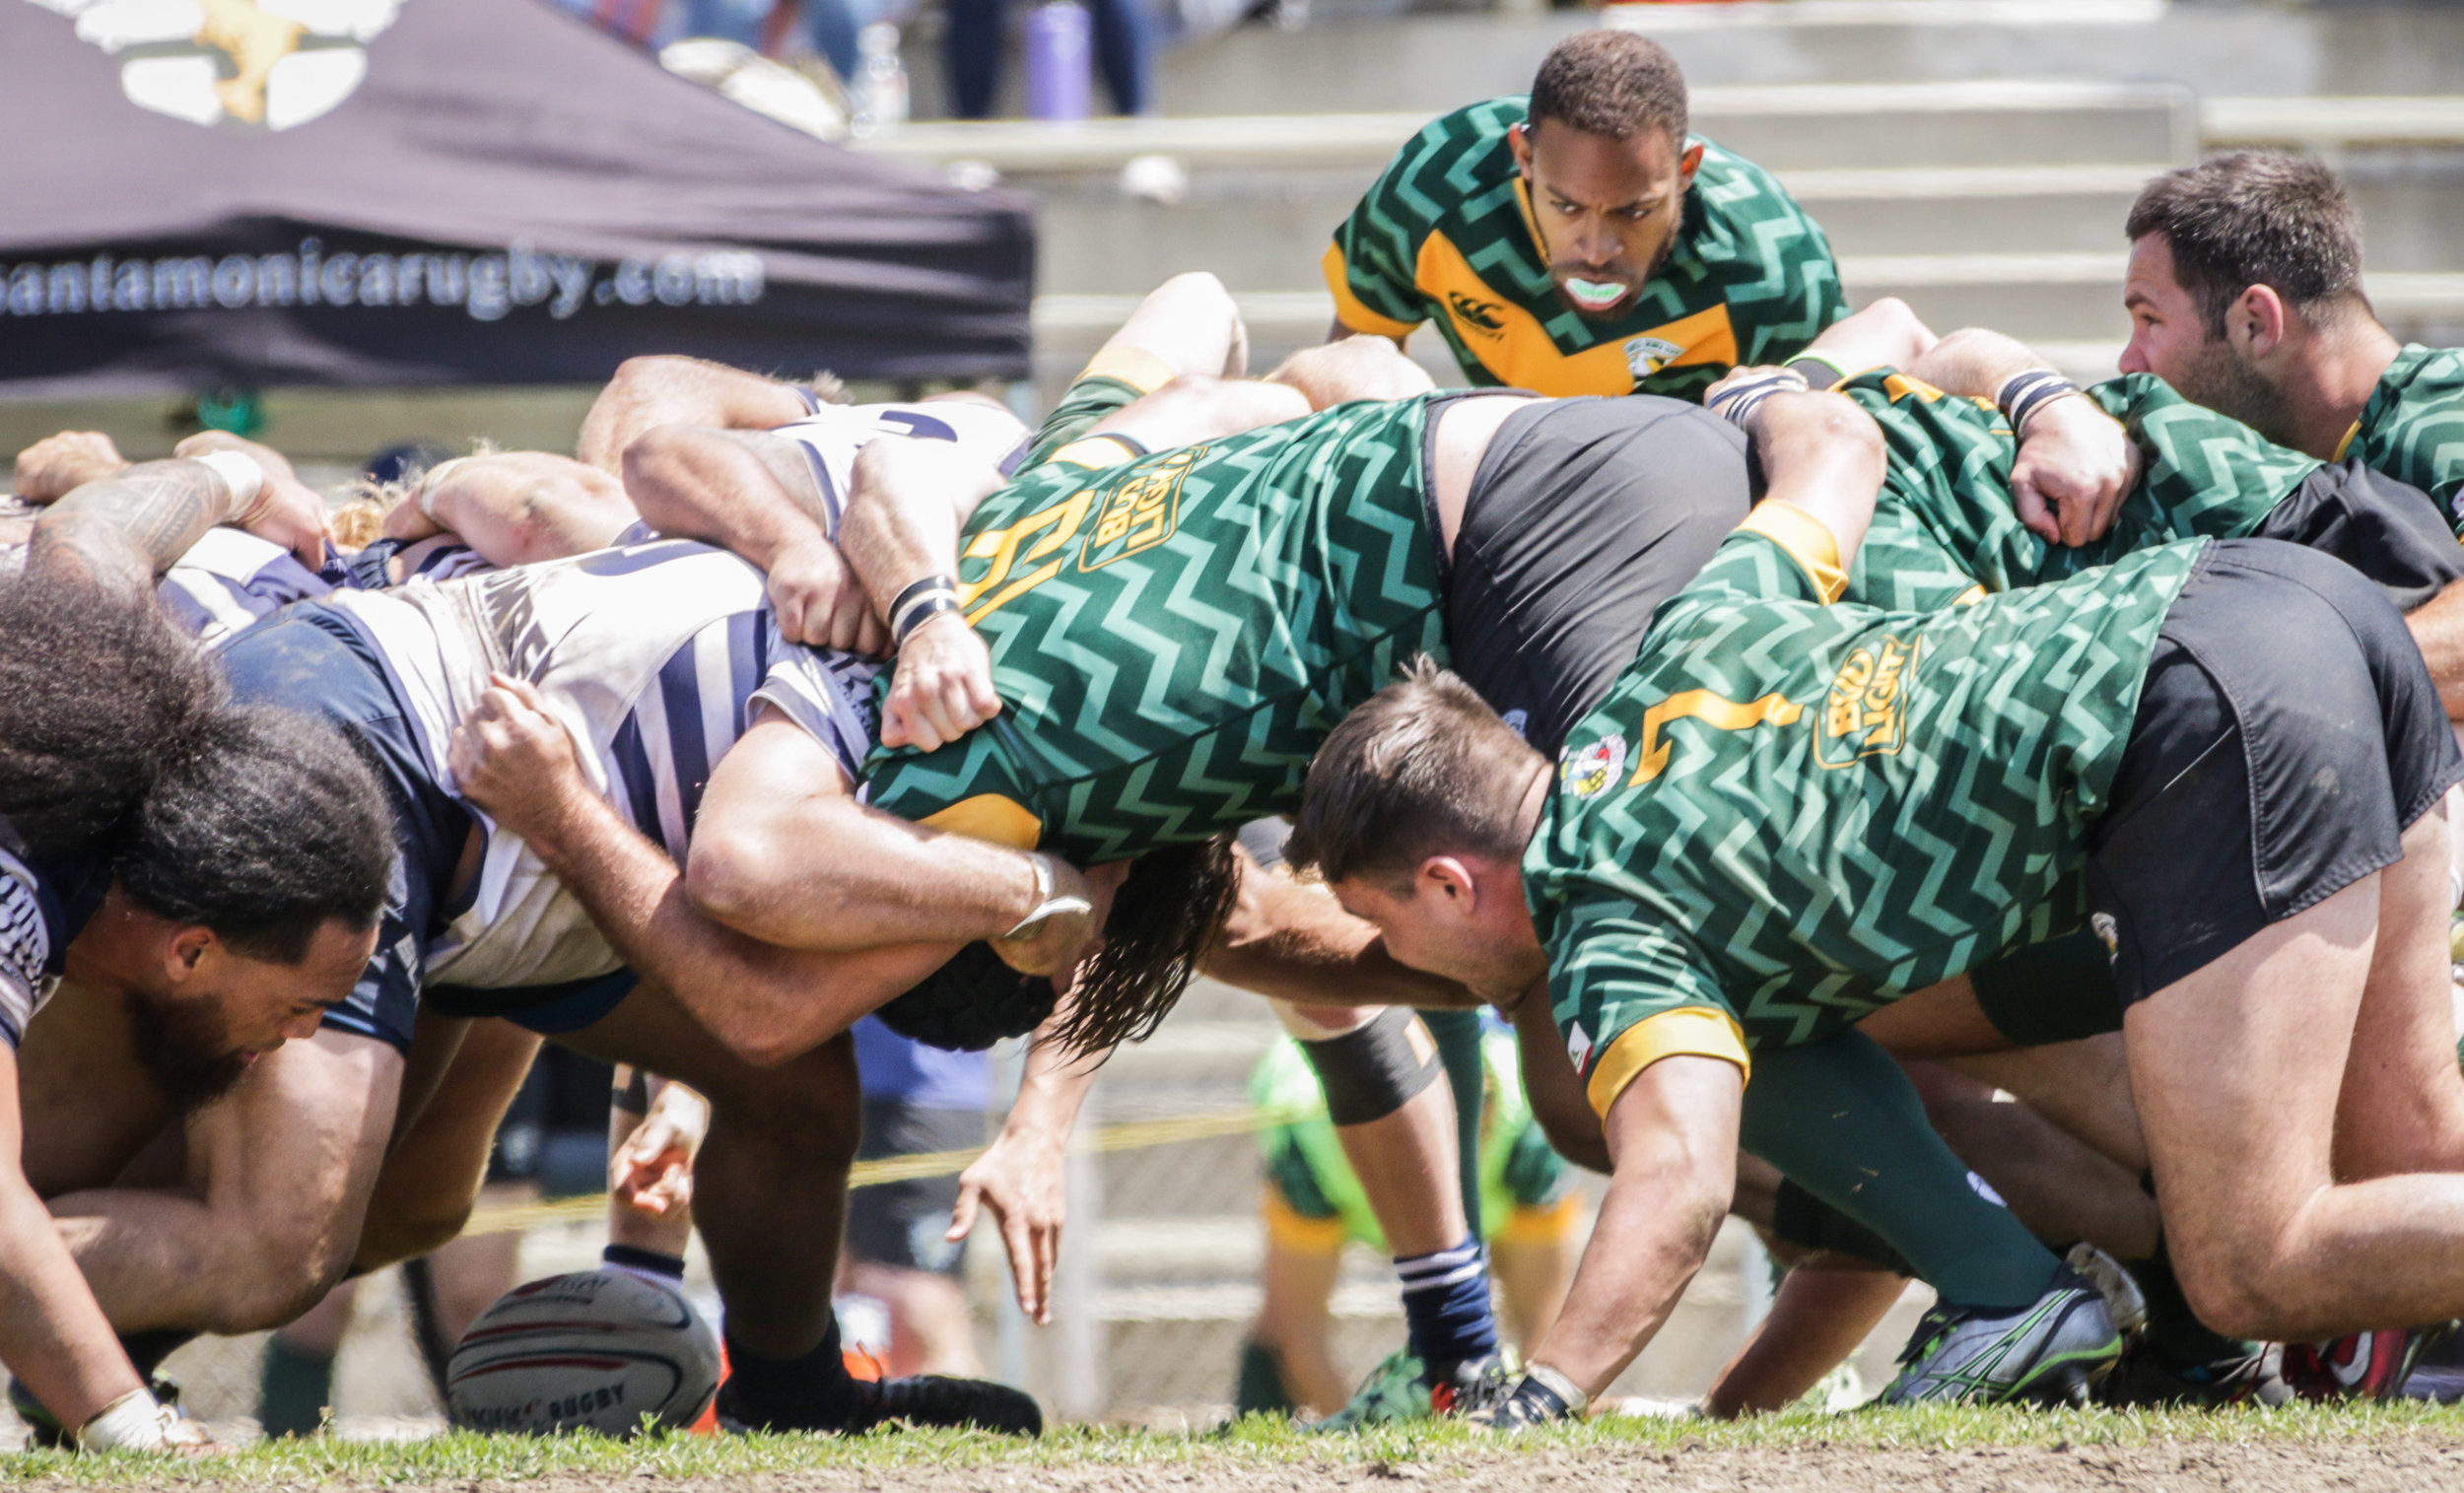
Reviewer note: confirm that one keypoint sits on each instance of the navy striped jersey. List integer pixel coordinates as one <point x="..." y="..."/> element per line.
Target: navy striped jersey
<point x="833" y="433"/>
<point x="44" y="902"/>
<point x="652" y="655"/>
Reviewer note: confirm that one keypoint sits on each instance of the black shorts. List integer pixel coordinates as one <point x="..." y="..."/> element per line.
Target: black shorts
<point x="309" y="659"/>
<point x="1585" y="515"/>
<point x="902" y="1224"/>
<point x="2392" y="532"/>
<point x="2287" y="735"/>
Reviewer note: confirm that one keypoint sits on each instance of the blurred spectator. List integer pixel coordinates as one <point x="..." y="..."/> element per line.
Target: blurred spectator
<point x="918" y="1100"/>
<point x="1124" y="53"/>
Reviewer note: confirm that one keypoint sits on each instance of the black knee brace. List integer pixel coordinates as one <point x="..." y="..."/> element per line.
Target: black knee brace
<point x="1370" y="1073"/>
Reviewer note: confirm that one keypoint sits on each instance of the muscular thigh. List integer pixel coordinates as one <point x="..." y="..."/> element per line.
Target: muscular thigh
<point x="87" y="1106"/>
<point x="306" y="1131"/>
<point x="650" y="1029"/>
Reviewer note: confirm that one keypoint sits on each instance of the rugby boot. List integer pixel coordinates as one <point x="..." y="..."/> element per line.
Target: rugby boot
<point x="1398" y="1389"/>
<point x="2150" y="1376"/>
<point x="922" y="1399"/>
<point x="2369" y="1365"/>
<point x="2050" y="1352"/>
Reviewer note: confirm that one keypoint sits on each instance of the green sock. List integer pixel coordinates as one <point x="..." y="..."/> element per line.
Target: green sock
<point x="1839" y="1119"/>
<point x="297" y="1389"/>
<point x="1259" y="1389"/>
<point x="1458" y="1035"/>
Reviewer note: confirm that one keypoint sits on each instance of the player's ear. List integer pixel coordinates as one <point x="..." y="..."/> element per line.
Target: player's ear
<point x="186" y="951"/>
<point x="1519" y="141"/>
<point x="2256" y="323"/>
<point x="1688" y="163"/>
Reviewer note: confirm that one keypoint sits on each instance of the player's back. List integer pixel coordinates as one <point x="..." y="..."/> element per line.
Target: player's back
<point x="1820" y="806"/>
<point x="650" y="655"/>
<point x="1173" y="634"/>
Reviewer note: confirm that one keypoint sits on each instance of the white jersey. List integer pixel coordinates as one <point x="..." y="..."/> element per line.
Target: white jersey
<point x="226" y="581"/>
<point x="652" y="655"/>
<point x="832" y="434"/>
<point x="230" y="579"/>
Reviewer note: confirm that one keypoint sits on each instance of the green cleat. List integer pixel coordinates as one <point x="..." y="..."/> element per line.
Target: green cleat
<point x="1393" y="1391"/>
<point x="1398" y="1389"/>
<point x="2051" y="1352"/>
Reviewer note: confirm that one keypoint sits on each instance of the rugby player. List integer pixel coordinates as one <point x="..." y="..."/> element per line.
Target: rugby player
<point x="1201" y="754"/>
<point x="205" y="878"/>
<point x="244" y="1237"/>
<point x="2154" y="729"/>
<point x="1580" y="241"/>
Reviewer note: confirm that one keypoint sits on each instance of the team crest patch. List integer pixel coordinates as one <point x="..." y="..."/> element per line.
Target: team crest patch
<point x="1865" y="714"/>
<point x="1578" y="1046"/>
<point x="1646" y="355"/>
<point x="1140" y="511"/>
<point x="1587" y="774"/>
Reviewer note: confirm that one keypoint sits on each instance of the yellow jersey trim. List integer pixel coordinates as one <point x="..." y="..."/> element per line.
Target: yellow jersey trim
<point x="1686" y="1031"/>
<point x="1348" y="306"/>
<point x="2352" y="433"/>
<point x="1290" y="1230"/>
<point x="1096" y="452"/>
<point x="1807" y="540"/>
<point x="990" y="816"/>
<point x="1135" y="366"/>
<point x="1516" y="348"/>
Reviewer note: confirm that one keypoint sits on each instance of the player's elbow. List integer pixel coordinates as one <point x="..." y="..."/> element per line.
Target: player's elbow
<point x="732" y="875"/>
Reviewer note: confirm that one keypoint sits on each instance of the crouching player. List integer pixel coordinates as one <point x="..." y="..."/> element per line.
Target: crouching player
<point x="1892" y="796"/>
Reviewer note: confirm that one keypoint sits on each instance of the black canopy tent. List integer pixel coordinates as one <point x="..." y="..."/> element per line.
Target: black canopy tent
<point x="501" y="194"/>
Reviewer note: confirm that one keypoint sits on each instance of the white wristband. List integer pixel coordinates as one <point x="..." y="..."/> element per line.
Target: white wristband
<point x="428" y="489"/>
<point x="240" y="474"/>
<point x="134" y="1422"/>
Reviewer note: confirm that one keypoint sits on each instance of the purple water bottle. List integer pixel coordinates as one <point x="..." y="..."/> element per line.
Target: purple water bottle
<point x="1059" y="61"/>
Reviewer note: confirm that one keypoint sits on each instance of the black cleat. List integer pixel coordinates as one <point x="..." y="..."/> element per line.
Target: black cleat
<point x="925" y="1399"/>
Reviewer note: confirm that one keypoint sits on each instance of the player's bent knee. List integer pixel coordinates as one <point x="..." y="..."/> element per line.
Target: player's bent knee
<point x="1370" y="1073"/>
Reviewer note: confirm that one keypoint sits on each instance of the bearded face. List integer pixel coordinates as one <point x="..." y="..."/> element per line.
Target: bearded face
<point x="185" y="1047"/>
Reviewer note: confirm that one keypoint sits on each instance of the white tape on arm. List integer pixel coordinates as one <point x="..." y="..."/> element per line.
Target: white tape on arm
<point x="134" y="1422"/>
<point x="240" y="474"/>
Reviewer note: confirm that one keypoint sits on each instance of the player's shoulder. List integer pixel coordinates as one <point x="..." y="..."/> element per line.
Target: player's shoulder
<point x="2426" y="378"/>
<point x="1467" y="147"/>
<point x="1739" y="196"/>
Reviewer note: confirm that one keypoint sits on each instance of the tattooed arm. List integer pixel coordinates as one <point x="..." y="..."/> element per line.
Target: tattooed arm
<point x="124" y="531"/>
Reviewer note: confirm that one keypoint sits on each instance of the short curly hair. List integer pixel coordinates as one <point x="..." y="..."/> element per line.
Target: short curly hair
<point x="1615" y="84"/>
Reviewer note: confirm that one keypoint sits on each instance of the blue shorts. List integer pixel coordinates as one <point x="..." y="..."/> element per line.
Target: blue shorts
<point x="310" y="658"/>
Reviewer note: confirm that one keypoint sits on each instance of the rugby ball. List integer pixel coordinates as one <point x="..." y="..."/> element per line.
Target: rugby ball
<point x="591" y="1351"/>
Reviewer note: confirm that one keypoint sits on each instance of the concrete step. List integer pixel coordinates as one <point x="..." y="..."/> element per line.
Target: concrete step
<point x="1259" y="228"/>
<point x="1828" y="126"/>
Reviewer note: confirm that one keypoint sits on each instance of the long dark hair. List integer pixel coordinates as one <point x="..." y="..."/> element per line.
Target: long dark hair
<point x="1165" y="915"/>
<point x="98" y="697"/>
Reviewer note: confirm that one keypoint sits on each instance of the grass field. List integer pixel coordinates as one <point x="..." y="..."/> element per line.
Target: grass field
<point x="2368" y="1447"/>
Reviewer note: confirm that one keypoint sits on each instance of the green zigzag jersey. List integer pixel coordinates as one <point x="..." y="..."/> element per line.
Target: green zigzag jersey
<point x="1944" y="525"/>
<point x="1174" y="635"/>
<point x="2413" y="427"/>
<point x="1446" y="235"/>
<point x="1789" y="814"/>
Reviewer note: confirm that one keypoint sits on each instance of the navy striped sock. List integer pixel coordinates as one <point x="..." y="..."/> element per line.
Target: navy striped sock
<point x="1447" y="1318"/>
